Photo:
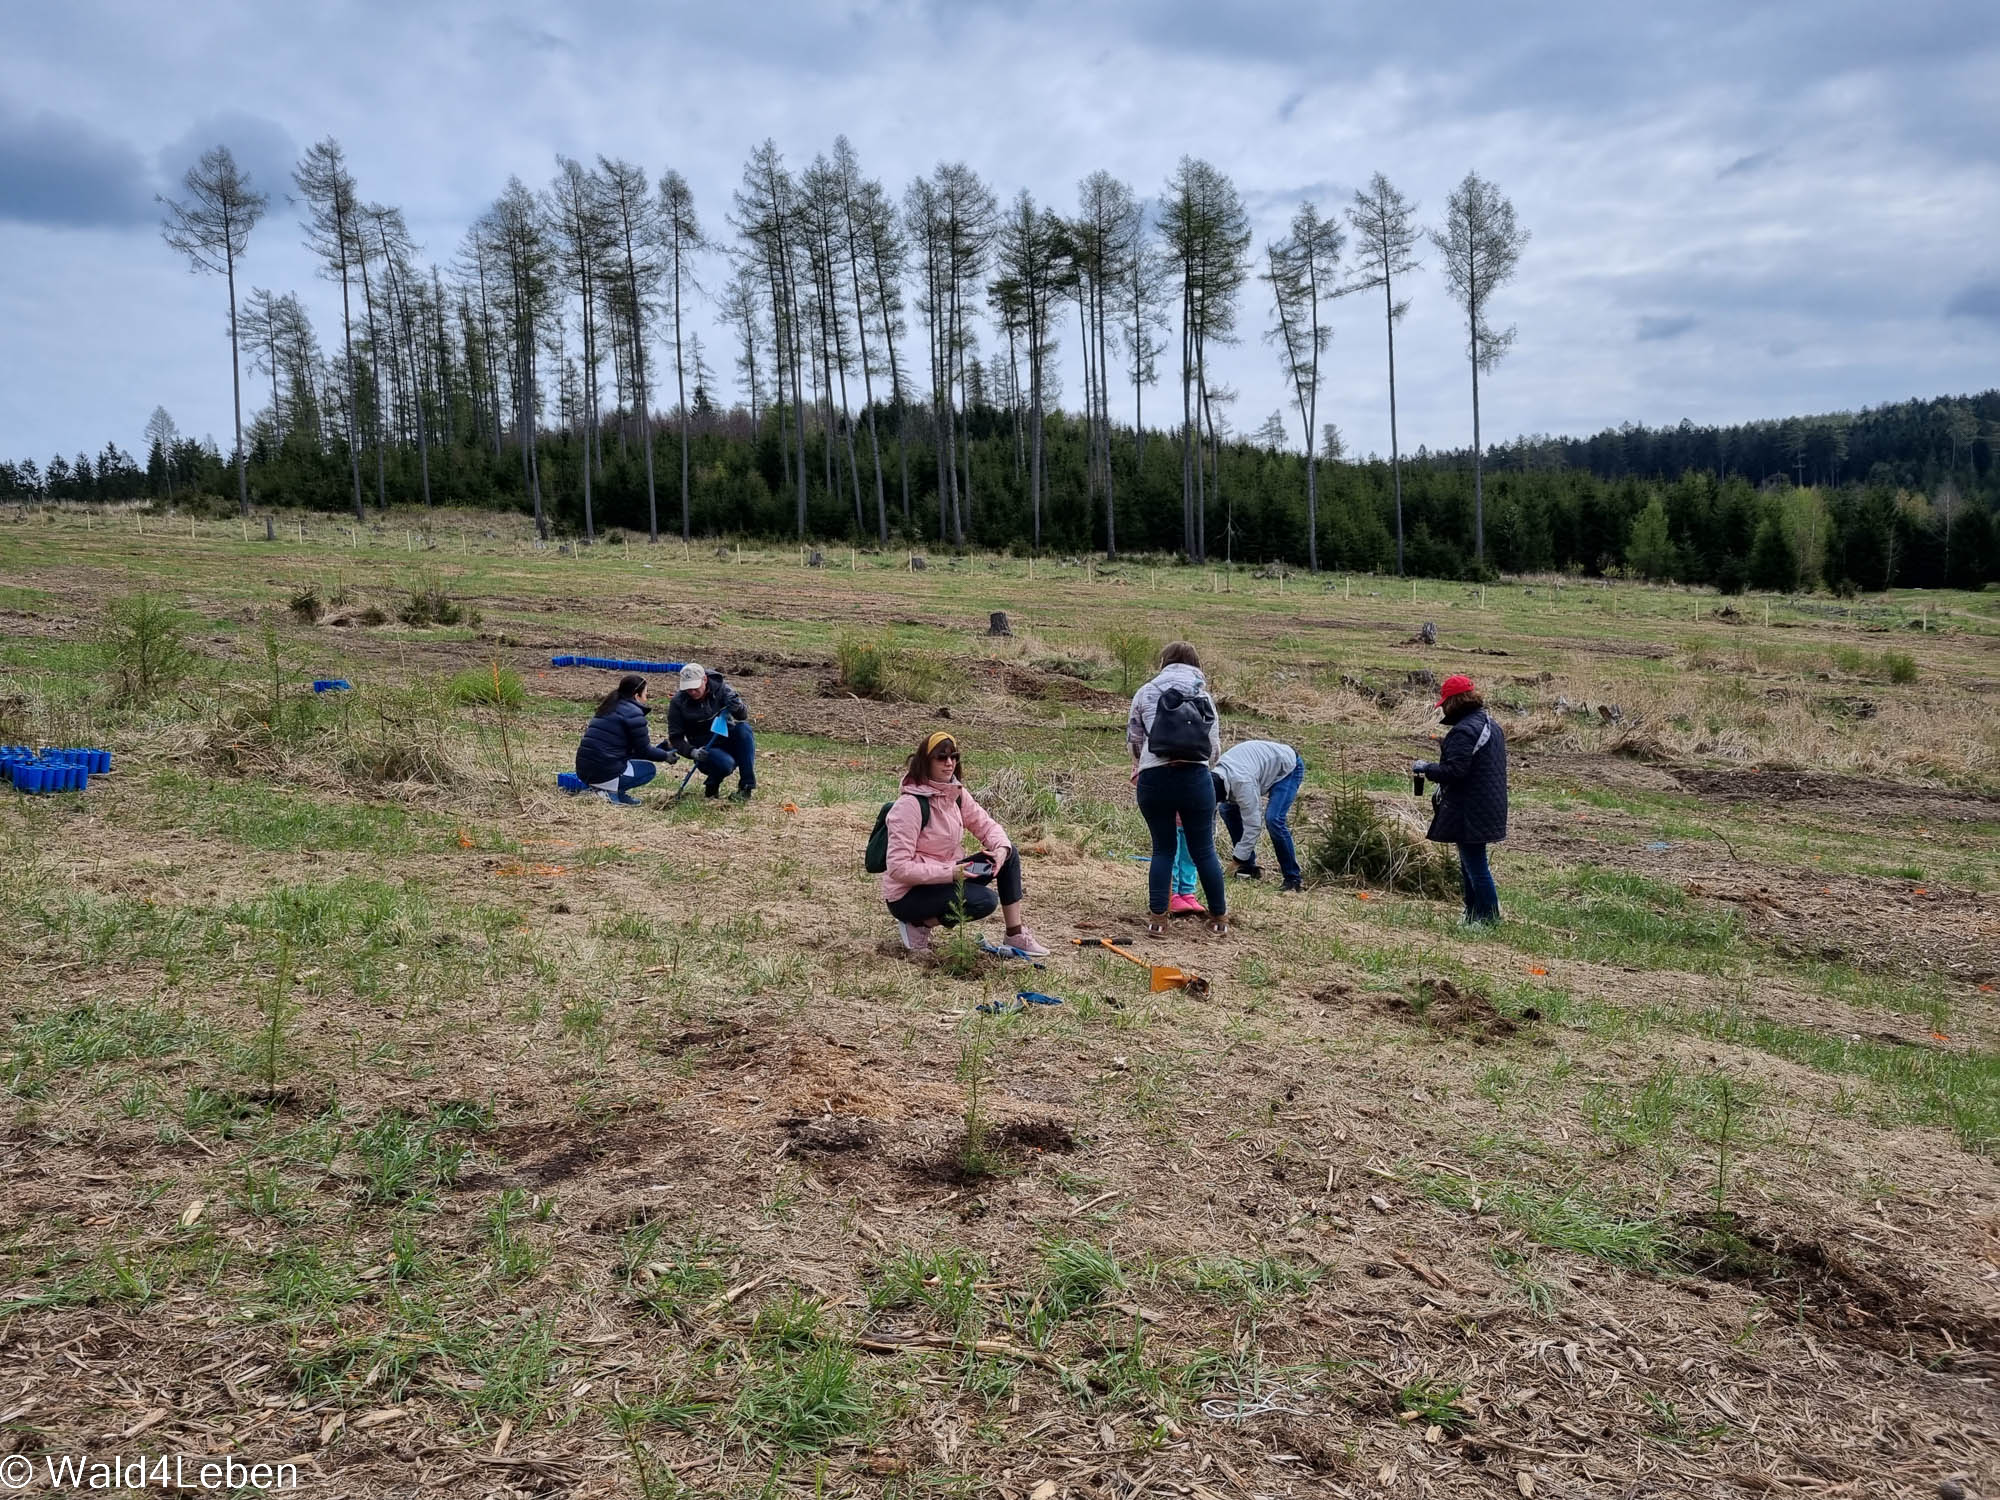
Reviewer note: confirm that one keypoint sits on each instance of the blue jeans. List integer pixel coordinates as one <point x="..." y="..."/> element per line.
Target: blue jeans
<point x="1475" y="876"/>
<point x="739" y="751"/>
<point x="1181" y="796"/>
<point x="1277" y="821"/>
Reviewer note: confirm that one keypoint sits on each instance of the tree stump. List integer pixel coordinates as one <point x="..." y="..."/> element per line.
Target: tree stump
<point x="917" y="564"/>
<point x="814" y="560"/>
<point x="997" y="623"/>
<point x="270" y="529"/>
<point x="1429" y="633"/>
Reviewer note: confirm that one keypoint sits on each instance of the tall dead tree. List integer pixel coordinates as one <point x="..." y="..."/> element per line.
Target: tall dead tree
<point x="1304" y="274"/>
<point x="333" y="211"/>
<point x="211" y="227"/>
<point x="1481" y="244"/>
<point x="680" y="239"/>
<point x="1385" y="232"/>
<point x="630" y="218"/>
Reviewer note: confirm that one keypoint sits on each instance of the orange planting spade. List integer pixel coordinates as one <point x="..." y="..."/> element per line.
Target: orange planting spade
<point x="791" y="807"/>
<point x="1536" y="971"/>
<point x="1363" y="896"/>
<point x="1923" y="891"/>
<point x="1939" y="1036"/>
<point x="463" y="841"/>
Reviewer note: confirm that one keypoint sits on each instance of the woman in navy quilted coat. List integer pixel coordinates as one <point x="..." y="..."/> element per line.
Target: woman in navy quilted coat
<point x="616" y="752"/>
<point x="1471" y="800"/>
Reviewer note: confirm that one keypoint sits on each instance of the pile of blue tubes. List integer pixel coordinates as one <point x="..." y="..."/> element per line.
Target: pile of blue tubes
<point x="331" y="685"/>
<point x="44" y="771"/>
<point x="614" y="664"/>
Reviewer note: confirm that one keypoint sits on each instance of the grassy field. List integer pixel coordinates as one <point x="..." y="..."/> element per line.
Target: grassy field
<point x="375" y="1107"/>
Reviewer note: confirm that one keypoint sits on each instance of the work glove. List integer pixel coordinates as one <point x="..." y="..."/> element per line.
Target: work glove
<point x="1420" y="768"/>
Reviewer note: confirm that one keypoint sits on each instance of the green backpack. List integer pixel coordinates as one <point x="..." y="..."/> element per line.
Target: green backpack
<point x="876" y="860"/>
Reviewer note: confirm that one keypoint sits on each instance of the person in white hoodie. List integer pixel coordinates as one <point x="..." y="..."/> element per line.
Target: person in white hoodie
<point x="1256" y="783"/>
<point x="1175" y="738"/>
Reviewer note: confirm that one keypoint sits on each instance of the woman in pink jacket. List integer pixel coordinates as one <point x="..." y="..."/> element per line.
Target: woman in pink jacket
<point x="929" y="873"/>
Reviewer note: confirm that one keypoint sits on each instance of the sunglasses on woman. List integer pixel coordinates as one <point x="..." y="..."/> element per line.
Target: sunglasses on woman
<point x="951" y="755"/>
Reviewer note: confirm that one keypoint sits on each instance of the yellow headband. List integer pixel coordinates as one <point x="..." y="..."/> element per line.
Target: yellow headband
<point x="942" y="737"/>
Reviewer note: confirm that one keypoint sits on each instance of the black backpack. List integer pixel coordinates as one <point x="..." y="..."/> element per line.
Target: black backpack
<point x="1183" y="723"/>
<point x="876" y="860"/>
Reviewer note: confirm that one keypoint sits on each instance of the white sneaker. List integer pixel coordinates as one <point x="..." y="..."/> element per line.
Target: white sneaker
<point x="916" y="939"/>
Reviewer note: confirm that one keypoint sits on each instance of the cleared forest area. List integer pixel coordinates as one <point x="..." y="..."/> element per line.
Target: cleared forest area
<point x="374" y="1106"/>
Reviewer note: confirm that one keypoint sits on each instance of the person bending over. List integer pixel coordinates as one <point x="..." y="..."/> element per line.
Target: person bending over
<point x="1175" y="738"/>
<point x="1256" y="783"/>
<point x="930" y="881"/>
<point x="707" y="721"/>
<point x="1471" y="800"/>
<point x="616" y="752"/>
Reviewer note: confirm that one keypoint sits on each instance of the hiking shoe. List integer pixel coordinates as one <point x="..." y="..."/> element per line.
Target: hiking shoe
<point x="917" y="939"/>
<point x="624" y="799"/>
<point x="1026" y="943"/>
<point x="1218" y="927"/>
<point x="1157" y="927"/>
<point x="1295" y="884"/>
<point x="1248" y="872"/>
<point x="1183" y="906"/>
<point x="744" y="793"/>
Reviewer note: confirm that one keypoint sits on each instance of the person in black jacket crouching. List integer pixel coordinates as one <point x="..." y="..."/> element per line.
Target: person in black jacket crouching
<point x="707" y="721"/>
<point x="1471" y="800"/>
<point x="616" y="753"/>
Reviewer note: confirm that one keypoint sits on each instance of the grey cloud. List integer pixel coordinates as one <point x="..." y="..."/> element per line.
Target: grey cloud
<point x="1977" y="299"/>
<point x="1288" y="106"/>
<point x="1755" y="161"/>
<point x="1653" y="329"/>
<point x="56" y="169"/>
<point x="262" y="148"/>
<point x="537" y="37"/>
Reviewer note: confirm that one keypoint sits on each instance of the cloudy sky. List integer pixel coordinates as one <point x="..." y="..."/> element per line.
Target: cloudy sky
<point x="1738" y="209"/>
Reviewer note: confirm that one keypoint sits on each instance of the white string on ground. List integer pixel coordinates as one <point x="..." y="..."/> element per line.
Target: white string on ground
<point x="1240" y="1410"/>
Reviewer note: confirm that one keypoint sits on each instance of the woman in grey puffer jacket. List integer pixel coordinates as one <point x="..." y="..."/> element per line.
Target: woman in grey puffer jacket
<point x="1172" y="751"/>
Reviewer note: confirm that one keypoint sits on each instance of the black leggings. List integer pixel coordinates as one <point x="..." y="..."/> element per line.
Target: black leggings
<point x="924" y="902"/>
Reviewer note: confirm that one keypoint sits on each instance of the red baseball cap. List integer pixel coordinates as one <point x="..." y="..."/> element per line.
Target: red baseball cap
<point x="1453" y="685"/>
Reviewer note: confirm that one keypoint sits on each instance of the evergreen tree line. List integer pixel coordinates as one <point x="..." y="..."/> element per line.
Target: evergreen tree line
<point x="896" y="361"/>
<point x="1697" y="528"/>
<point x="1920" y="444"/>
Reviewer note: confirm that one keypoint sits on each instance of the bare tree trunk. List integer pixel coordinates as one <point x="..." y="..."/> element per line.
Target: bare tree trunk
<point x="1104" y="410"/>
<point x="236" y="378"/>
<point x="375" y="365"/>
<point x="1200" y="470"/>
<point x="1187" y="430"/>
<point x="895" y="383"/>
<point x="353" y="414"/>
<point x="798" y="392"/>
<point x="680" y="391"/>
<point x="1478" y="455"/>
<point x="867" y="378"/>
<point x="1014" y="401"/>
<point x="1395" y="455"/>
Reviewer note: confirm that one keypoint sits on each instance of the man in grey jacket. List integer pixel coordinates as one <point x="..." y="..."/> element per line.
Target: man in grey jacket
<point x="1256" y="783"/>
